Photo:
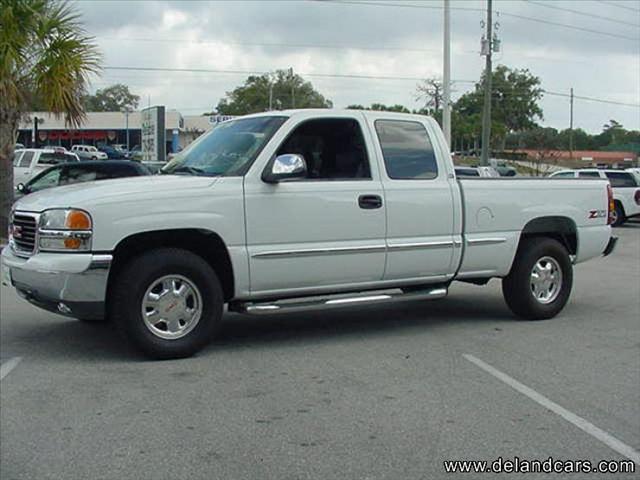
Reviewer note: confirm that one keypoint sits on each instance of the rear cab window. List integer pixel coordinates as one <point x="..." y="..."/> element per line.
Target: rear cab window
<point x="406" y="149"/>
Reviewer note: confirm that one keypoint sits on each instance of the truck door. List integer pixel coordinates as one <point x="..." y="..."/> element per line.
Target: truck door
<point x="419" y="200"/>
<point x="325" y="231"/>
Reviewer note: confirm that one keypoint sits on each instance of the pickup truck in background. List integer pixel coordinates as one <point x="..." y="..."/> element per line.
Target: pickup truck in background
<point x="625" y="185"/>
<point x="27" y="163"/>
<point x="285" y="211"/>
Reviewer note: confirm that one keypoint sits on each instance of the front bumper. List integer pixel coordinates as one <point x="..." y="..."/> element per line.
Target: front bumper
<point x="72" y="284"/>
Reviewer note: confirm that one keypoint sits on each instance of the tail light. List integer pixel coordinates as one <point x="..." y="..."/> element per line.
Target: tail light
<point x="636" y="197"/>
<point x="611" y="205"/>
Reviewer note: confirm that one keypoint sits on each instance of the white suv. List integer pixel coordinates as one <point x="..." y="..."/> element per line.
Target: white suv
<point x="88" y="152"/>
<point x="625" y="185"/>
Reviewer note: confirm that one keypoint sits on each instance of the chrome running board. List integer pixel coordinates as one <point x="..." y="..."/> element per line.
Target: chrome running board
<point x="332" y="301"/>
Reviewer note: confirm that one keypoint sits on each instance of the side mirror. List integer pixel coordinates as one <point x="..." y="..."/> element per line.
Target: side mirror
<point x="21" y="188"/>
<point x="289" y="165"/>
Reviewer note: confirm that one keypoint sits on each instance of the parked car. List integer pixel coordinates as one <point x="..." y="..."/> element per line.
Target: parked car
<point x="467" y="172"/>
<point x="506" y="171"/>
<point x="486" y="172"/>
<point x="340" y="207"/>
<point x="122" y="148"/>
<point x="88" y="152"/>
<point x="112" y="153"/>
<point x="18" y="146"/>
<point x="30" y="161"/>
<point x="626" y="189"/>
<point x="79" y="172"/>
<point x="136" y="153"/>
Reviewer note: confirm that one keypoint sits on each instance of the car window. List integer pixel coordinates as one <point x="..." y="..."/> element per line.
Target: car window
<point x="406" y="149"/>
<point x="16" y="158"/>
<point x="589" y="174"/>
<point x="26" y="159"/>
<point x="47" y="179"/>
<point x="68" y="157"/>
<point x="621" y="179"/>
<point x="564" y="175"/>
<point x="73" y="174"/>
<point x="52" y="158"/>
<point x="333" y="149"/>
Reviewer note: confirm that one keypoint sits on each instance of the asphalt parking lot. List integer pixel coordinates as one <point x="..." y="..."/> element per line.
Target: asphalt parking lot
<point x="362" y="393"/>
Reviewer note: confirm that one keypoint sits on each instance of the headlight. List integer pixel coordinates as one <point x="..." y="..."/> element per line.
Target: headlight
<point x="65" y="230"/>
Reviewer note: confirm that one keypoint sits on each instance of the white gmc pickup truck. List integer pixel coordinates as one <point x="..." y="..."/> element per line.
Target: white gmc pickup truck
<point x="292" y="210"/>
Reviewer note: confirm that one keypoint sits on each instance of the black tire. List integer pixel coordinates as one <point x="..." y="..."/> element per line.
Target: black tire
<point x="517" y="286"/>
<point x="133" y="281"/>
<point x="620" y="217"/>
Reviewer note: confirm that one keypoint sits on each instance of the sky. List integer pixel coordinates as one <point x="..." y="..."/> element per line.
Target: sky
<point x="595" y="50"/>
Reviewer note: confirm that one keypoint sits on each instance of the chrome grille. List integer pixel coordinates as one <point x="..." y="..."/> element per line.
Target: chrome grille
<point x="24" y="233"/>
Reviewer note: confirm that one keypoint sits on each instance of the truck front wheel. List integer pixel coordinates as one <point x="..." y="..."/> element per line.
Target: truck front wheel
<point x="540" y="281"/>
<point x="168" y="302"/>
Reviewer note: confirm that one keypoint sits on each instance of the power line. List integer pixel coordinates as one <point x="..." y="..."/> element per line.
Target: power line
<point x="258" y="72"/>
<point x="351" y="76"/>
<point x="502" y="13"/>
<point x="278" y="45"/>
<point x="584" y="14"/>
<point x="612" y="4"/>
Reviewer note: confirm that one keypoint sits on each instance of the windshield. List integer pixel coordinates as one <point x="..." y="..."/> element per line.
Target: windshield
<point x="227" y="150"/>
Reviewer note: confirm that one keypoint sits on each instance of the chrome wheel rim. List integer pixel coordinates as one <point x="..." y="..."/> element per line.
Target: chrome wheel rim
<point x="171" y="307"/>
<point x="546" y="280"/>
<point x="614" y="215"/>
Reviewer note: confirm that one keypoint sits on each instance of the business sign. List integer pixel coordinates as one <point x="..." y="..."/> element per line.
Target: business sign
<point x="152" y="134"/>
<point x="215" y="119"/>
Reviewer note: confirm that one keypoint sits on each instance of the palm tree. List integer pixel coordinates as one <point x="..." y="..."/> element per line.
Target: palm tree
<point x="45" y="57"/>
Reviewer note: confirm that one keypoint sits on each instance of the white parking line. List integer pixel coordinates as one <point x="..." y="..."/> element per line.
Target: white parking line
<point x="581" y="423"/>
<point x="9" y="365"/>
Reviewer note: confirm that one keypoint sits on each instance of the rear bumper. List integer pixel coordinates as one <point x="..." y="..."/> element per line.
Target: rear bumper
<point x="68" y="284"/>
<point x="611" y="245"/>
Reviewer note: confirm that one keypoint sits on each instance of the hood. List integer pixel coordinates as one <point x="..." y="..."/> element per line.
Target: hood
<point x="84" y="195"/>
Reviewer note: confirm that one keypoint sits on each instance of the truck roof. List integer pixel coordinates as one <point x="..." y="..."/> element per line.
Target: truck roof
<point x="329" y="112"/>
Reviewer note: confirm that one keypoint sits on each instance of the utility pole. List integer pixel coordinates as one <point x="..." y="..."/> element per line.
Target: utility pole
<point x="571" y="126"/>
<point x="293" y="97"/>
<point x="486" y="115"/>
<point x="446" y="74"/>
<point x="270" y="94"/>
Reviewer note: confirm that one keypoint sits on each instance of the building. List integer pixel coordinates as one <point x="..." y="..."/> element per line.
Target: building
<point x="44" y="129"/>
<point x="583" y="158"/>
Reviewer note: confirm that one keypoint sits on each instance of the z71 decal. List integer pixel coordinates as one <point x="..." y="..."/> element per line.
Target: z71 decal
<point x="597" y="213"/>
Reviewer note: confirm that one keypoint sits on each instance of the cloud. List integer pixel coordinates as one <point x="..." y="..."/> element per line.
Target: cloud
<point x="326" y="37"/>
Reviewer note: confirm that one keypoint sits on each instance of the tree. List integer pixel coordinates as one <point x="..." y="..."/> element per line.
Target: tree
<point x="116" y="98"/>
<point x="285" y="89"/>
<point x="514" y="102"/>
<point x="380" y="107"/>
<point x="429" y="93"/>
<point x="44" y="53"/>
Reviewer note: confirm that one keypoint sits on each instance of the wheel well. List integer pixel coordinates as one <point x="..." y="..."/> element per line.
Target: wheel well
<point x="204" y="243"/>
<point x="618" y="202"/>
<point x="562" y="229"/>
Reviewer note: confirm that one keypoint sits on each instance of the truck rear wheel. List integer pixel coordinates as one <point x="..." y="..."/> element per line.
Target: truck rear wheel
<point x="540" y="281"/>
<point x="618" y="215"/>
<point x="168" y="302"/>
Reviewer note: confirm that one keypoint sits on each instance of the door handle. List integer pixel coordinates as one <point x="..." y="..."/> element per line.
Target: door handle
<point x="369" y="202"/>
